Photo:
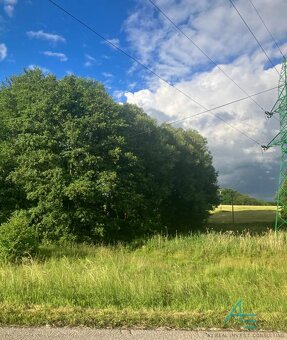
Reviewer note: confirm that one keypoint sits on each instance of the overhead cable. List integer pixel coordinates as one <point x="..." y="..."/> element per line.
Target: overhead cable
<point x="203" y="52"/>
<point x="254" y="36"/>
<point x="147" y="68"/>
<point x="271" y="35"/>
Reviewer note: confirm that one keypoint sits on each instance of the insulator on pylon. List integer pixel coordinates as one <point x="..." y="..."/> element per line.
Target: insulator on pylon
<point x="269" y="114"/>
<point x="264" y="147"/>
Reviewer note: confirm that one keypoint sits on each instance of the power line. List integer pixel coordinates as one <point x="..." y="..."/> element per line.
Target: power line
<point x="122" y="51"/>
<point x="215" y="108"/>
<point x="203" y="52"/>
<point x="216" y="115"/>
<point x="271" y="35"/>
<point x="220" y="106"/>
<point x="273" y="110"/>
<point x="146" y="67"/>
<point x="254" y="36"/>
<point x="268" y="145"/>
<point x="212" y="109"/>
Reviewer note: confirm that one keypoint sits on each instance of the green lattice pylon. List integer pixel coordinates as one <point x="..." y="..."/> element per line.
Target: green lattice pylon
<point x="281" y="140"/>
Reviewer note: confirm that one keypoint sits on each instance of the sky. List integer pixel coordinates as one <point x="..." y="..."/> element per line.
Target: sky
<point x="228" y="65"/>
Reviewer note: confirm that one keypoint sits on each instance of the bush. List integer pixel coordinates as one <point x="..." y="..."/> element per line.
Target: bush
<point x="17" y="238"/>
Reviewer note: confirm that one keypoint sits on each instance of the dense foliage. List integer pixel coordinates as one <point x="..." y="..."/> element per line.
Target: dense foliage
<point x="82" y="165"/>
<point x="229" y="195"/>
<point x="17" y="238"/>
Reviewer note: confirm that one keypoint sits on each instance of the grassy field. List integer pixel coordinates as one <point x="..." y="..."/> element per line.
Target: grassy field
<point x="256" y="219"/>
<point x="189" y="282"/>
<point x="250" y="208"/>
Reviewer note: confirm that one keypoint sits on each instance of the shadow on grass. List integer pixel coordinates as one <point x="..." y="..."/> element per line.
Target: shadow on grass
<point x="252" y="222"/>
<point x="59" y="251"/>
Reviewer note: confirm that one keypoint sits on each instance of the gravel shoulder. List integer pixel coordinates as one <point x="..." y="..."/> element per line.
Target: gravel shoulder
<point x="50" y="333"/>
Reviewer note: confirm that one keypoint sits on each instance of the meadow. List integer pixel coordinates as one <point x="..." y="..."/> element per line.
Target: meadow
<point x="88" y="178"/>
<point x="255" y="219"/>
<point x="184" y="282"/>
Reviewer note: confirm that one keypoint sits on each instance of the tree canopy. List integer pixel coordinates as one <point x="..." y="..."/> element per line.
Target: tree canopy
<point x="81" y="164"/>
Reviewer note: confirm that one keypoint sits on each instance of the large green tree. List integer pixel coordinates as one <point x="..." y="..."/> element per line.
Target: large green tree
<point x="179" y="181"/>
<point x="86" y="166"/>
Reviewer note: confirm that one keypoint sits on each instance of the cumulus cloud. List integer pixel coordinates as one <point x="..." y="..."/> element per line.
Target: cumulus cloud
<point x="9" y="6"/>
<point x="60" y="56"/>
<point x="54" y="38"/>
<point x="232" y="151"/>
<point x="3" y="52"/>
<point x="155" y="40"/>
<point x="157" y="44"/>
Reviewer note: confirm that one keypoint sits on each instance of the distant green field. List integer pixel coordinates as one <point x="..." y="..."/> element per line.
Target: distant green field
<point x="223" y="207"/>
<point x="252" y="218"/>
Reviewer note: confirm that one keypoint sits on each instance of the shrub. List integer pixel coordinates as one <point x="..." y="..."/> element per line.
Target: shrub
<point x="17" y="238"/>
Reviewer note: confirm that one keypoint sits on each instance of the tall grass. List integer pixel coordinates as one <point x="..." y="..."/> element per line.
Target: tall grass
<point x="201" y="274"/>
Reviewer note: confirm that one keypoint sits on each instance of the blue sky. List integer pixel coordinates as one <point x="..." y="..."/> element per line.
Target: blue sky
<point x="39" y="34"/>
<point x="35" y="33"/>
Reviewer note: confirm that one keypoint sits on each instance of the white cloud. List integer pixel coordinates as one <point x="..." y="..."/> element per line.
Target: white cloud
<point x="132" y="85"/>
<point x="60" y="56"/>
<point x="3" y="52"/>
<point x="54" y="38"/>
<point x="43" y="69"/>
<point x="9" y="6"/>
<point x="114" y="41"/>
<point x="232" y="151"/>
<point x="156" y="43"/>
<point x="90" y="61"/>
<point x="107" y="75"/>
<point x="118" y="94"/>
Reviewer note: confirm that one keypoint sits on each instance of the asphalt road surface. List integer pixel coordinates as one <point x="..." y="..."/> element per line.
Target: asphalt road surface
<point x="49" y="333"/>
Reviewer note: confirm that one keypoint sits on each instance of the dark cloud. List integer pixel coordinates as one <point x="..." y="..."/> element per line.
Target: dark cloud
<point x="256" y="179"/>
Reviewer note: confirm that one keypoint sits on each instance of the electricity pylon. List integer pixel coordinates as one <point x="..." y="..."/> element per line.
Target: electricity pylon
<point x="280" y="139"/>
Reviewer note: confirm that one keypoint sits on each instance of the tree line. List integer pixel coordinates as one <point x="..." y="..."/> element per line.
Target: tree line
<point x="227" y="196"/>
<point x="77" y="163"/>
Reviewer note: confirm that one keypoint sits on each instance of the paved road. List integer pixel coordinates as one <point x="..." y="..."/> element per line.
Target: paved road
<point x="49" y="333"/>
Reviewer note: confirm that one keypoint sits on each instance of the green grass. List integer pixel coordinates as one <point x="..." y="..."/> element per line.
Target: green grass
<point x="244" y="216"/>
<point x="255" y="219"/>
<point x="186" y="282"/>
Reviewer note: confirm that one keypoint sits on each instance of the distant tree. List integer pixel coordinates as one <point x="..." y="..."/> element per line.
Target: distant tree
<point x="227" y="195"/>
